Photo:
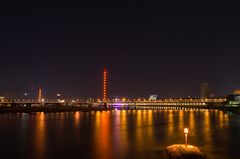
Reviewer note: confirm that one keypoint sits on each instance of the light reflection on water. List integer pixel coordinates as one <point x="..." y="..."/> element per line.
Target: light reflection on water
<point x="117" y="134"/>
<point x="39" y="136"/>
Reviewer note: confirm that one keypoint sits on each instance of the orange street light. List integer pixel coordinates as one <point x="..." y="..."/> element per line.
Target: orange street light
<point x="186" y="133"/>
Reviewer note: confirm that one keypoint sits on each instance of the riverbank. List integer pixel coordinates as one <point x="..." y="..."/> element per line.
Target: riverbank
<point x="49" y="109"/>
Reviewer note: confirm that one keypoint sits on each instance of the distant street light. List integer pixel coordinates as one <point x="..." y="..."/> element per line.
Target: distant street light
<point x="186" y="133"/>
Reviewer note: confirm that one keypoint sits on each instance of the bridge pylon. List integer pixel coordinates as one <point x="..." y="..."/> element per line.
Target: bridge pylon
<point x="39" y="95"/>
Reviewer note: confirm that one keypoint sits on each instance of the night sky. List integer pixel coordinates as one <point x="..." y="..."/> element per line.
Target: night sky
<point x="167" y="49"/>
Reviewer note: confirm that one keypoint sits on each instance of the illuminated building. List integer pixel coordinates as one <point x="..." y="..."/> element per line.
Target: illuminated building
<point x="39" y="95"/>
<point x="236" y="92"/>
<point x="233" y="100"/>
<point x="204" y="90"/>
<point x="153" y="97"/>
<point x="105" y="84"/>
<point x="2" y="99"/>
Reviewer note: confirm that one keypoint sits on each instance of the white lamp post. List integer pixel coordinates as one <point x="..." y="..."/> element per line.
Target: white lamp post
<point x="186" y="133"/>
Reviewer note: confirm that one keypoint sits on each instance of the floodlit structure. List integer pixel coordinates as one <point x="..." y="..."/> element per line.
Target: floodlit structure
<point x="186" y="133"/>
<point x="39" y="95"/>
<point x="153" y="97"/>
<point x="236" y="92"/>
<point x="105" y="84"/>
<point x="233" y="100"/>
<point x="2" y="99"/>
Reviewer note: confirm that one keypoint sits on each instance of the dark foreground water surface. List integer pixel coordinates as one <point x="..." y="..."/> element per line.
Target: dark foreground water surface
<point x="140" y="134"/>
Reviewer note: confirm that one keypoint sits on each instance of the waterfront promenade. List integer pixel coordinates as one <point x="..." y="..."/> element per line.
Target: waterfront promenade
<point x="68" y="106"/>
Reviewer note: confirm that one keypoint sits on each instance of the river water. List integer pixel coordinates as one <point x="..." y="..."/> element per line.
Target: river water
<point x="130" y="134"/>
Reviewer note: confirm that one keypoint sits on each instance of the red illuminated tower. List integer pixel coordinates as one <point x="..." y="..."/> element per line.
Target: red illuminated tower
<point x="105" y="85"/>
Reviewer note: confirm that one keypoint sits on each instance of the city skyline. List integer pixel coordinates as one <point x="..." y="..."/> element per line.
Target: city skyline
<point x="163" y="48"/>
<point x="205" y="92"/>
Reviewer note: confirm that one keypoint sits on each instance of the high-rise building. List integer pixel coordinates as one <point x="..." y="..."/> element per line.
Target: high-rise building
<point x="205" y="91"/>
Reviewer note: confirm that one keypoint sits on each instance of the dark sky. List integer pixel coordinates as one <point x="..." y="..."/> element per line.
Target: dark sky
<point x="163" y="48"/>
